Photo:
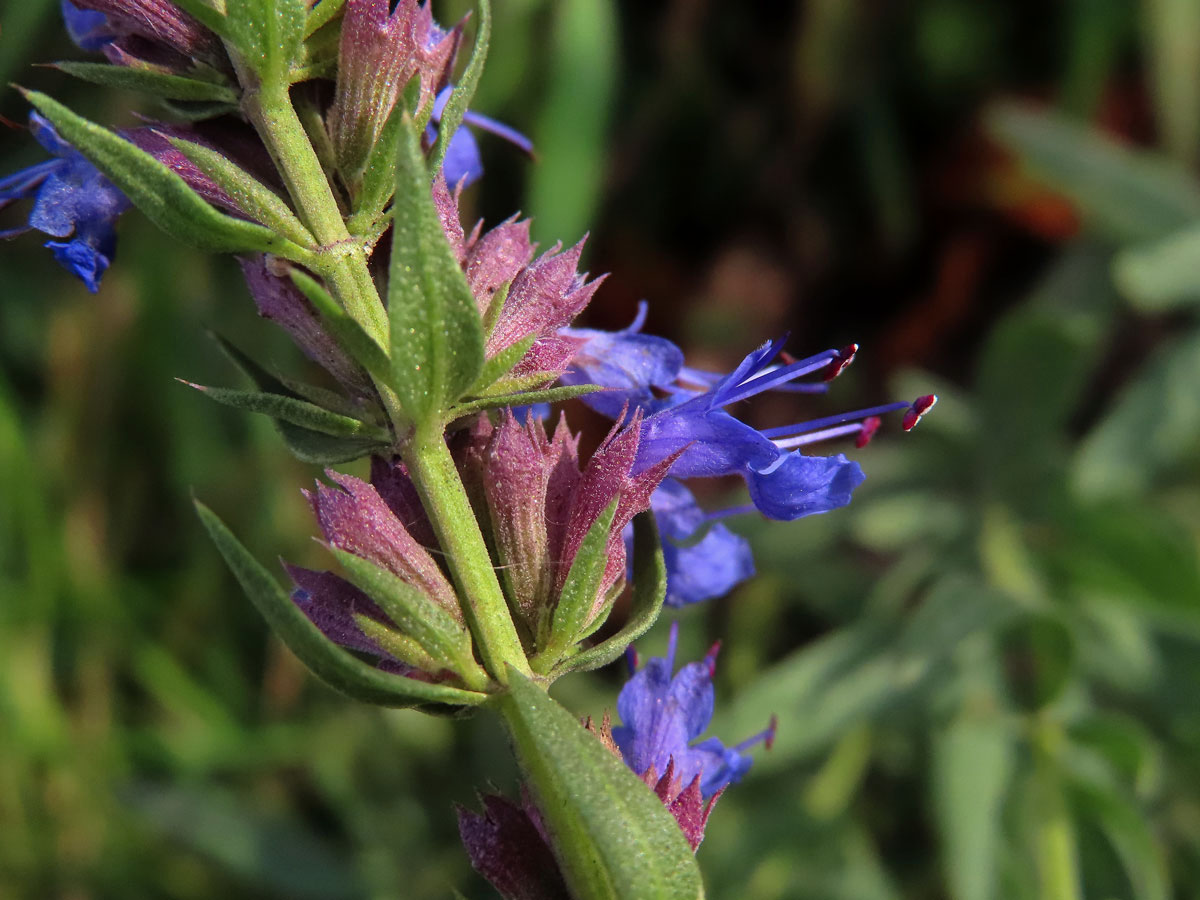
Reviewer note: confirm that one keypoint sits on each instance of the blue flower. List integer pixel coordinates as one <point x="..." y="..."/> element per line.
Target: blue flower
<point x="638" y="370"/>
<point x="663" y="712"/>
<point x="73" y="201"/>
<point x="685" y="414"/>
<point x="462" y="156"/>
<point x="88" y="29"/>
<point x="697" y="570"/>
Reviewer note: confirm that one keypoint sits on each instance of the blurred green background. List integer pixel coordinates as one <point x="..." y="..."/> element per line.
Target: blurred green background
<point x="985" y="670"/>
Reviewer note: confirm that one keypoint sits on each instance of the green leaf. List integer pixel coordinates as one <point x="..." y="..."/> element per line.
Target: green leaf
<point x="322" y="14"/>
<point x="158" y="84"/>
<point x="354" y="340"/>
<point x="613" y="838"/>
<point x="160" y="193"/>
<point x="305" y="444"/>
<point x="1125" y="826"/>
<point x="526" y="398"/>
<point x="973" y="763"/>
<point x="415" y="614"/>
<point x="295" y="411"/>
<point x="1151" y="428"/>
<point x="255" y="198"/>
<point x="500" y="365"/>
<point x="325" y="449"/>
<point x="379" y="176"/>
<point x="858" y="672"/>
<point x="1124" y="194"/>
<point x="1033" y="369"/>
<point x="269" y="35"/>
<point x="649" y="591"/>
<point x="1163" y="275"/>
<point x="436" y="334"/>
<point x="460" y="97"/>
<point x="333" y="665"/>
<point x="563" y="626"/>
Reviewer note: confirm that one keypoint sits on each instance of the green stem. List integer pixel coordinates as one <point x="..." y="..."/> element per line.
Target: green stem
<point x="445" y="500"/>
<point x="343" y="259"/>
<point x="1058" y="865"/>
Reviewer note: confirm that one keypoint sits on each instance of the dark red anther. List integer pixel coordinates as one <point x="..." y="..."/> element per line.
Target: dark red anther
<point x="838" y="364"/>
<point x="870" y="425"/>
<point x="769" y="741"/>
<point x="786" y="358"/>
<point x="915" y="412"/>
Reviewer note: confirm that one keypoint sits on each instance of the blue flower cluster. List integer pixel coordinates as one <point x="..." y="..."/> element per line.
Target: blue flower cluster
<point x="663" y="712"/>
<point x="686" y="416"/>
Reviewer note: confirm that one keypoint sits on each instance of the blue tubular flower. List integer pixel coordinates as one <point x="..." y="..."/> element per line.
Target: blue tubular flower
<point x="696" y="570"/>
<point x="686" y="414"/>
<point x="631" y="365"/>
<point x="72" y="201"/>
<point x="463" y="163"/>
<point x="663" y="712"/>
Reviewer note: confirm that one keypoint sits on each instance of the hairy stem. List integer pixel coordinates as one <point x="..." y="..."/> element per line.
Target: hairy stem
<point x="445" y="500"/>
<point x="343" y="259"/>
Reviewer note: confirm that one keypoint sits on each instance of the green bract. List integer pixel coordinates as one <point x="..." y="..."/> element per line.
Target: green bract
<point x="436" y="333"/>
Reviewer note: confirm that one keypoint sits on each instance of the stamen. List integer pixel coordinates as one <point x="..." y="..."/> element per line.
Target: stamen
<point x="818" y="424"/>
<point x="817" y="436"/>
<point x="841" y="362"/>
<point x="917" y="411"/>
<point x="767" y="380"/>
<point x="765" y="737"/>
<point x="870" y="425"/>
<point x="490" y="125"/>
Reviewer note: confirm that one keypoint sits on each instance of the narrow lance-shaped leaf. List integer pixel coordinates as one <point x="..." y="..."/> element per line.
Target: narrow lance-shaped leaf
<point x="437" y="337"/>
<point x="501" y="364"/>
<point x="157" y="84"/>
<point x="649" y="591"/>
<point x="1124" y="194"/>
<point x="305" y="444"/>
<point x="518" y="383"/>
<point x="578" y="596"/>
<point x="295" y="411"/>
<point x="333" y="665"/>
<point x="415" y="614"/>
<point x="460" y="98"/>
<point x="379" y="175"/>
<point x="161" y="194"/>
<point x="525" y="398"/>
<point x="612" y="837"/>
<point x="252" y="196"/>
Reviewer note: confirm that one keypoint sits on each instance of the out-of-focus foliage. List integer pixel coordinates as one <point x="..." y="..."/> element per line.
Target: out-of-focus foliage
<point x="984" y="669"/>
